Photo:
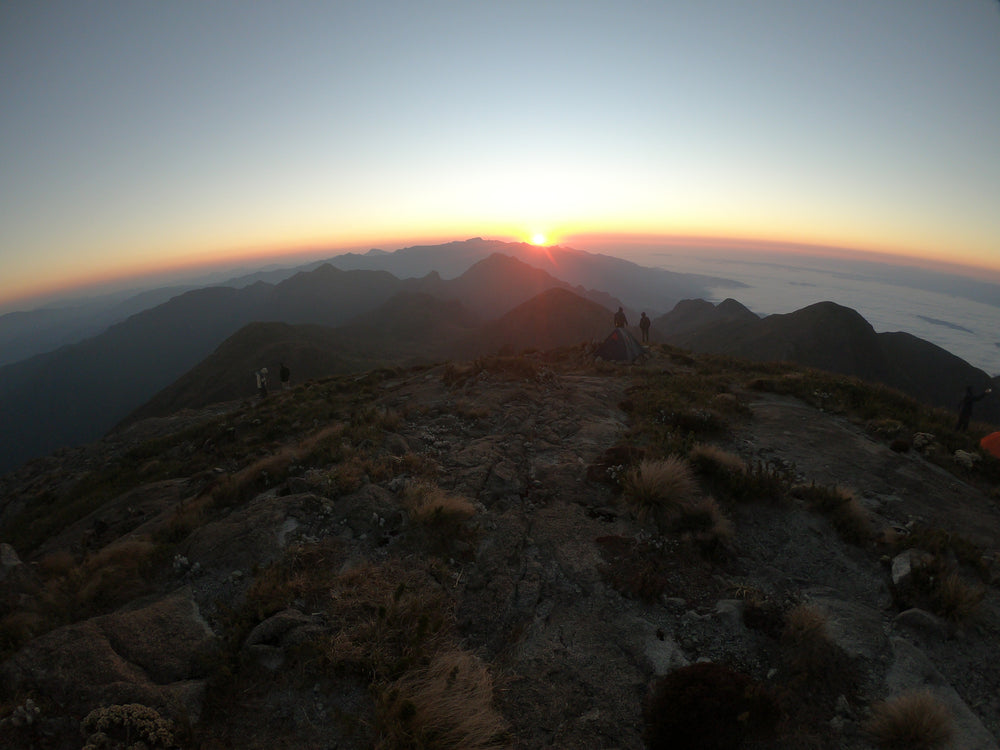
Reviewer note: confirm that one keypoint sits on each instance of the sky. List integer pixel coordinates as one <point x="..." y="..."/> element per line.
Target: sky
<point x="139" y="137"/>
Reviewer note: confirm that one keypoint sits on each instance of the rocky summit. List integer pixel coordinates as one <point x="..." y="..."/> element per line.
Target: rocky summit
<point x="513" y="552"/>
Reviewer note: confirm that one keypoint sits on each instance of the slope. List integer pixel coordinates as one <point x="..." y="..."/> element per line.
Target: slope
<point x="833" y="338"/>
<point x="277" y="575"/>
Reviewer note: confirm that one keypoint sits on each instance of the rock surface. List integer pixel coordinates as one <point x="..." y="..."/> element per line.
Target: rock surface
<point x="534" y="592"/>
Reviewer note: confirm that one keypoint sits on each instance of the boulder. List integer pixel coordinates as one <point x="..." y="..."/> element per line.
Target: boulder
<point x="156" y="655"/>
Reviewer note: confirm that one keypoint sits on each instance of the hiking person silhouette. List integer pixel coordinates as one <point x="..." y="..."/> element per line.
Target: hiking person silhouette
<point x="262" y="382"/>
<point x="965" y="407"/>
<point x="644" y="326"/>
<point x="620" y="320"/>
<point x="285" y="374"/>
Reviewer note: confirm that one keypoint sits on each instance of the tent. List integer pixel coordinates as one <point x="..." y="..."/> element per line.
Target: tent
<point x="620" y="346"/>
<point x="991" y="444"/>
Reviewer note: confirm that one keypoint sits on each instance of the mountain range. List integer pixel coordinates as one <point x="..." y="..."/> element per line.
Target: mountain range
<point x="829" y="337"/>
<point x="204" y="345"/>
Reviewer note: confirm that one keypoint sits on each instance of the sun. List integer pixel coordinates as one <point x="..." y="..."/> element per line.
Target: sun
<point x="538" y="238"/>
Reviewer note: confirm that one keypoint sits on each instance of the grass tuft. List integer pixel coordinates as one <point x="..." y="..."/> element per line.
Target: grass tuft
<point x="447" y="705"/>
<point x="910" y="721"/>
<point x="849" y="518"/>
<point x="713" y="461"/>
<point x="659" y="489"/>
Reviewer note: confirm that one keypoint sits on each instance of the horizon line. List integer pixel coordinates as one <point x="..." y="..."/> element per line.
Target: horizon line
<point x="256" y="260"/>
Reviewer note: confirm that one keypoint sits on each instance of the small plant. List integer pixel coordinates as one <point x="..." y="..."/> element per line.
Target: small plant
<point x="127" y="726"/>
<point x="843" y="510"/>
<point x="636" y="569"/>
<point x="430" y="505"/>
<point x="804" y="635"/>
<point x="447" y="705"/>
<point x="713" y="461"/>
<point x="816" y="665"/>
<point x="701" y="521"/>
<point x="885" y="428"/>
<point x="707" y="706"/>
<point x="658" y="489"/>
<point x="759" y="482"/>
<point x="954" y="599"/>
<point x="910" y="721"/>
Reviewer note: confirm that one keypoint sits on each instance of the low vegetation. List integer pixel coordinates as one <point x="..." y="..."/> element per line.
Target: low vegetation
<point x="446" y="705"/>
<point x="914" y="720"/>
<point x="127" y="726"/>
<point x="843" y="510"/>
<point x="388" y="627"/>
<point x="658" y="490"/>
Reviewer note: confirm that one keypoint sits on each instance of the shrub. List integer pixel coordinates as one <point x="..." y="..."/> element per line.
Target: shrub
<point x="447" y="705"/>
<point x="707" y="706"/>
<point x="701" y="521"/>
<point x="658" y="489"/>
<point x="910" y="721"/>
<point x="127" y="726"/>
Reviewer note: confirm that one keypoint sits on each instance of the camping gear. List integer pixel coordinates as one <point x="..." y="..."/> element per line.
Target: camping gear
<point x="620" y="346"/>
<point x="991" y="444"/>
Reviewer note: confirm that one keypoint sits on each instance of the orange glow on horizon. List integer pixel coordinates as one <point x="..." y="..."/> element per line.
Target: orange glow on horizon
<point x="204" y="260"/>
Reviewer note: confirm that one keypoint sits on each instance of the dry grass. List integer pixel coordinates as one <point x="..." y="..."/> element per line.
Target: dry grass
<point x="114" y="575"/>
<point x="910" y="721"/>
<point x="712" y="460"/>
<point x="809" y="650"/>
<point x="447" y="705"/>
<point x="804" y="623"/>
<point x="470" y="409"/>
<point x="659" y="489"/>
<point x="387" y="619"/>
<point x="58" y="563"/>
<point x="954" y="599"/>
<point x="429" y="504"/>
<point x="841" y="507"/>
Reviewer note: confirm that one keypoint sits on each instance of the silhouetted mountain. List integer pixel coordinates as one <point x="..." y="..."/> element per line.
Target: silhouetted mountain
<point x="554" y="318"/>
<point x="410" y="328"/>
<point x="78" y="392"/>
<point x="697" y="314"/>
<point x="228" y="373"/>
<point x="652" y="289"/>
<point x="830" y="337"/>
<point x="24" y="334"/>
<point x="498" y="283"/>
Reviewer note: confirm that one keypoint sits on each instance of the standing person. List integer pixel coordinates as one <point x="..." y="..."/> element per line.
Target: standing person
<point x="262" y="382"/>
<point x="620" y="321"/>
<point x="965" y="407"/>
<point x="285" y="374"/>
<point x="644" y="326"/>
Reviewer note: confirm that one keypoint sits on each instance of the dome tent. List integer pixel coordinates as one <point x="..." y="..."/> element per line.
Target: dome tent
<point x="991" y="444"/>
<point x="620" y="346"/>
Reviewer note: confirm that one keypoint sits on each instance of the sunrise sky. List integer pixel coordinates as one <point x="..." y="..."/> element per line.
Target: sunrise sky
<point x="138" y="136"/>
